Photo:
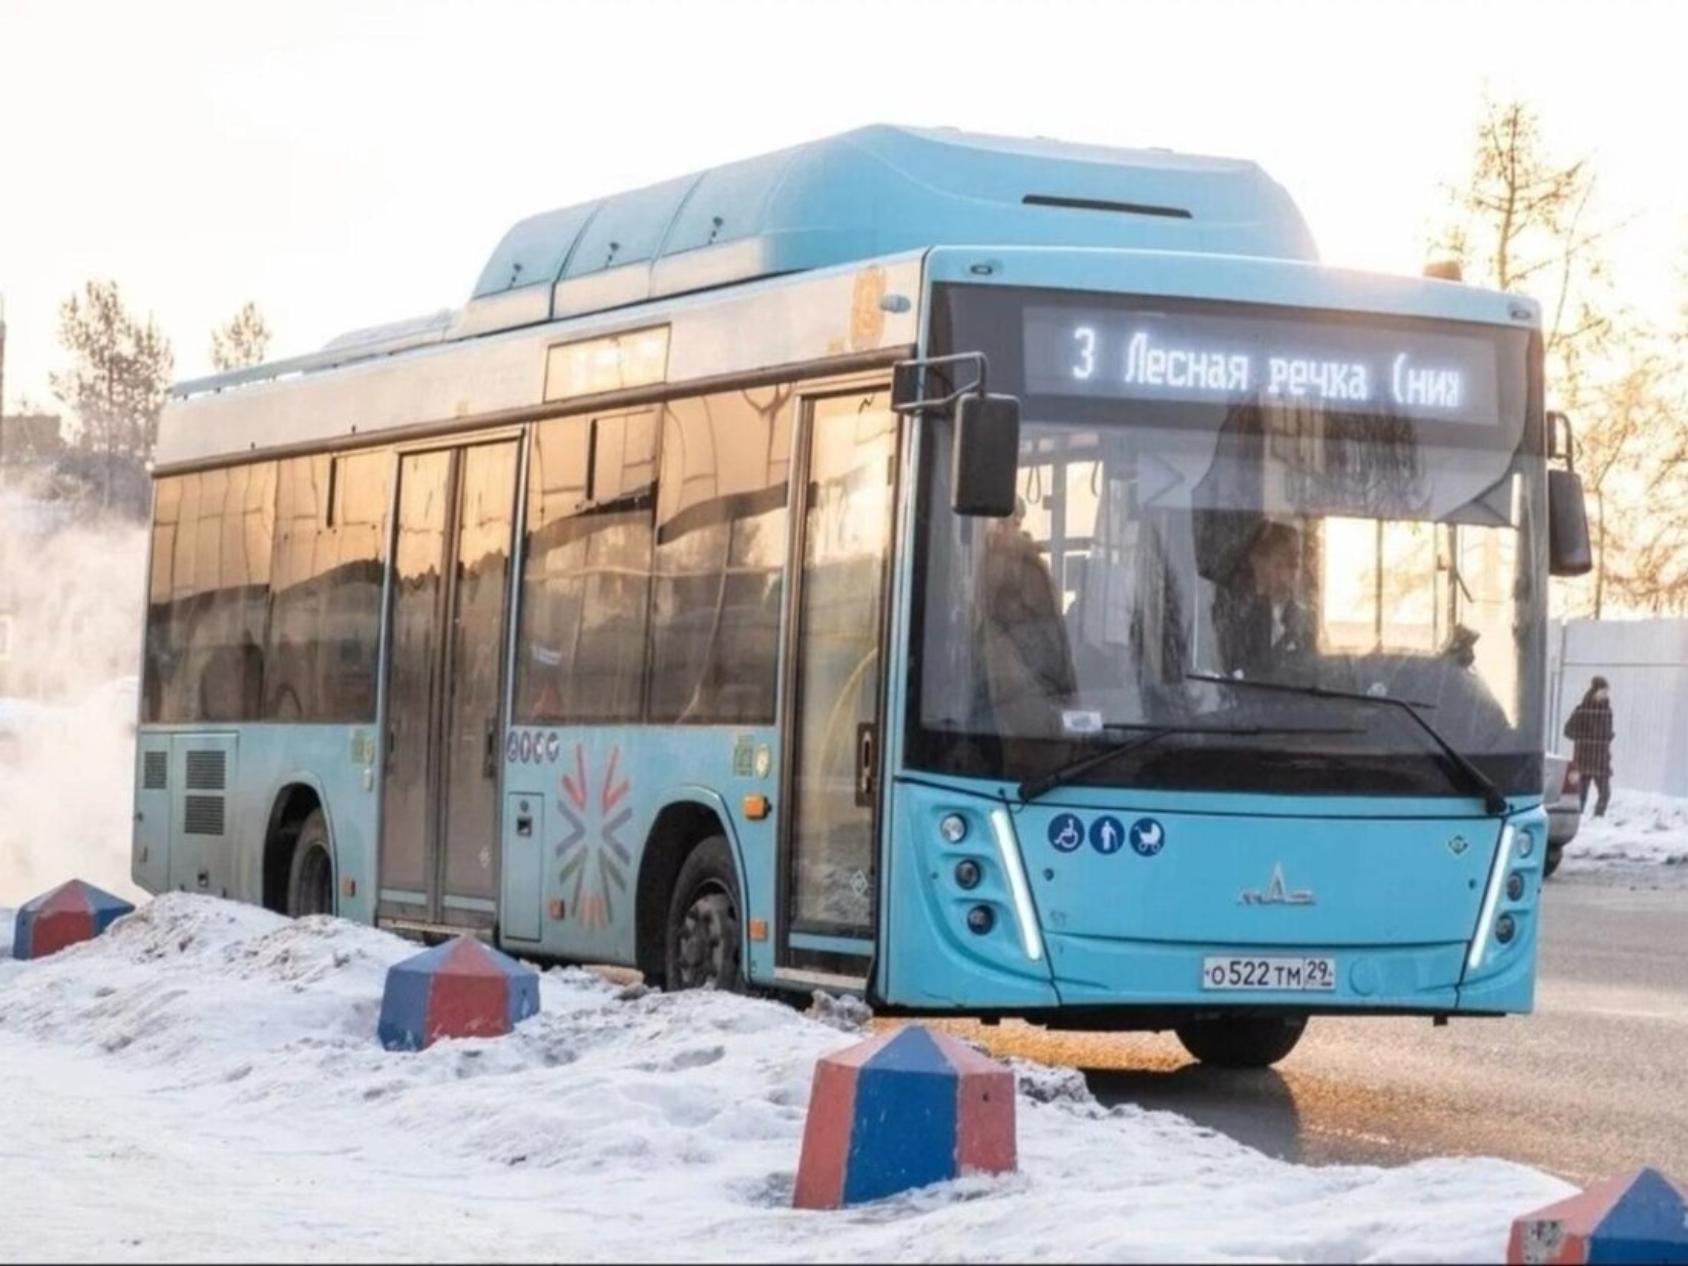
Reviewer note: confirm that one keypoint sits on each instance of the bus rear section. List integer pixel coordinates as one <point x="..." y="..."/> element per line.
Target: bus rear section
<point x="1235" y="712"/>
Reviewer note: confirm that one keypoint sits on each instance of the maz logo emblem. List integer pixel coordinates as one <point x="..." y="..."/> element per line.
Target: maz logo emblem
<point x="1277" y="893"/>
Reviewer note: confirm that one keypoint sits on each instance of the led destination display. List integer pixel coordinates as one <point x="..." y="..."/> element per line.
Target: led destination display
<point x="1202" y="358"/>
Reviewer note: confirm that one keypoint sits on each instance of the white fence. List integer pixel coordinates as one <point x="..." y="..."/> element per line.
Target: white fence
<point x="1646" y="663"/>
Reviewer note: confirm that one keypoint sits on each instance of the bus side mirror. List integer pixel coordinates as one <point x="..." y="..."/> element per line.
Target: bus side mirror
<point x="986" y="465"/>
<point x="1569" y="552"/>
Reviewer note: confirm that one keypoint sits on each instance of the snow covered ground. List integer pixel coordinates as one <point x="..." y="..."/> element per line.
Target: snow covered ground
<point x="1642" y="839"/>
<point x="203" y="1082"/>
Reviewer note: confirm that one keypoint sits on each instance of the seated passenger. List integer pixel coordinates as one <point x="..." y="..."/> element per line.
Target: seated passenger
<point x="1028" y="661"/>
<point x="1262" y="628"/>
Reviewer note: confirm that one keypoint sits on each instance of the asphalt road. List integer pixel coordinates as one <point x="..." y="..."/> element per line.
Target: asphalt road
<point x="1595" y="1082"/>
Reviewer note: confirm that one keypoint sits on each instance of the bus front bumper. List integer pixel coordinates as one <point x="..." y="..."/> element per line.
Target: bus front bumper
<point x="1098" y="904"/>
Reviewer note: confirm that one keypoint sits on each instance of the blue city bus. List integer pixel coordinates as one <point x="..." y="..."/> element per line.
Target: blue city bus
<point x="990" y="577"/>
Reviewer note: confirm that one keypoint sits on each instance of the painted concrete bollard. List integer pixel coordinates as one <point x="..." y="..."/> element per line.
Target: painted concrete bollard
<point x="900" y="1111"/>
<point x="72" y="912"/>
<point x="460" y="989"/>
<point x="1639" y="1217"/>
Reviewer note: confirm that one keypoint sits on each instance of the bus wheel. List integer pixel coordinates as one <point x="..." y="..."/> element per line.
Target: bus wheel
<point x="1550" y="862"/>
<point x="704" y="948"/>
<point x="1251" y="1042"/>
<point x="310" y="880"/>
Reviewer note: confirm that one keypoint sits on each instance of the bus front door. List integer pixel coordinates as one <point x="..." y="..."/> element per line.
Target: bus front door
<point x="832" y="737"/>
<point x="439" y="808"/>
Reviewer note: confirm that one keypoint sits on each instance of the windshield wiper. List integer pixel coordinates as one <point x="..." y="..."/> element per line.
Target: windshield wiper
<point x="1032" y="788"/>
<point x="1479" y="782"/>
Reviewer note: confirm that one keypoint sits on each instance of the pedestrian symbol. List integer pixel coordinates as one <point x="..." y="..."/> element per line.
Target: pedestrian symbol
<point x="1066" y="832"/>
<point x="1107" y="836"/>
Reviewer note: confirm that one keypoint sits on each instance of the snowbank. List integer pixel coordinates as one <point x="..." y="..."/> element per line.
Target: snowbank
<point x="1641" y="831"/>
<point x="204" y="1082"/>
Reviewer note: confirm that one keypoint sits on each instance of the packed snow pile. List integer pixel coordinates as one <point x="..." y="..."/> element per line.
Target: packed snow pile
<point x="1642" y="830"/>
<point x="204" y="1082"/>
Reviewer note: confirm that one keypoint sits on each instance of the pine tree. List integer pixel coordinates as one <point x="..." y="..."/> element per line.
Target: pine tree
<point x="115" y="386"/>
<point x="241" y="342"/>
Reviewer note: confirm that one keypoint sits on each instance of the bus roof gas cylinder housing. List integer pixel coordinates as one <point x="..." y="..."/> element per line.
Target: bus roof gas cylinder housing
<point x="868" y="193"/>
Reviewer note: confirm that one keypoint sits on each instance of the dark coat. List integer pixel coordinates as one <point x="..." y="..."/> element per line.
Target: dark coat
<point x="1590" y="731"/>
<point x="1243" y="623"/>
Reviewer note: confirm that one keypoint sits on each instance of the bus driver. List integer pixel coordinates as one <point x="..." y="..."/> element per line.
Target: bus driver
<point x="1260" y="623"/>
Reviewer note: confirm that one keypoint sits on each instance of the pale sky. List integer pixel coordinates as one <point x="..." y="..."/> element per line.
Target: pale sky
<point x="350" y="163"/>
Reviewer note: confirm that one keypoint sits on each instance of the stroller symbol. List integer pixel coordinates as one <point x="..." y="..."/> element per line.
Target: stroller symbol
<point x="1066" y="832"/>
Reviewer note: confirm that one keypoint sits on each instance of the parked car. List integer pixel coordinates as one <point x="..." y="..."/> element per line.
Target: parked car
<point x="1563" y="797"/>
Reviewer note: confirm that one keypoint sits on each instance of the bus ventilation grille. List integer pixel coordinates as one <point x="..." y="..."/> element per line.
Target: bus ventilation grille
<point x="202" y="815"/>
<point x="207" y="771"/>
<point x="155" y="768"/>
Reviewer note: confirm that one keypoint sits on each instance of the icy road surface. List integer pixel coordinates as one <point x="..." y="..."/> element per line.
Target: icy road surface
<point x="204" y="1082"/>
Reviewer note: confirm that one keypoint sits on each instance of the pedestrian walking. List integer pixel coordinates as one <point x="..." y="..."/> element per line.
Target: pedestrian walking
<point x="1590" y="731"/>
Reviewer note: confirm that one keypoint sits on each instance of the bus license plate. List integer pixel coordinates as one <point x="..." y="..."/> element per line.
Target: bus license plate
<point x="1317" y="974"/>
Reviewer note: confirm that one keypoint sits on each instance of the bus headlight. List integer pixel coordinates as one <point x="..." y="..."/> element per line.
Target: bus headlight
<point x="1505" y="929"/>
<point x="953" y="827"/>
<point x="968" y="873"/>
<point x="1514" y="887"/>
<point x="1008" y="850"/>
<point x="980" y="920"/>
<point x="1491" y="897"/>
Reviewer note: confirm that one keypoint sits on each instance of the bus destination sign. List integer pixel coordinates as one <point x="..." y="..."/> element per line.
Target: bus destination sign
<point x="1201" y="358"/>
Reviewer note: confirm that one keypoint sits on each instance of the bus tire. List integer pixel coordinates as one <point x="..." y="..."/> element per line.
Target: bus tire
<point x="310" y="878"/>
<point x="704" y="945"/>
<point x="1242" y="1041"/>
<point x="1550" y="861"/>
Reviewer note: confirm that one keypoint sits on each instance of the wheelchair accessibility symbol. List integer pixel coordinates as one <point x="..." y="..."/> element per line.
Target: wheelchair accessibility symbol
<point x="1066" y="832"/>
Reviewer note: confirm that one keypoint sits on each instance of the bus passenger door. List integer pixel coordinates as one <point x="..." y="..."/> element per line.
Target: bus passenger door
<point x="843" y="505"/>
<point x="439" y="815"/>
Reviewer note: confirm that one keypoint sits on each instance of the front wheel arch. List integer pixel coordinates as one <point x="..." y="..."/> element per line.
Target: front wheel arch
<point x="704" y="927"/>
<point x="689" y="817"/>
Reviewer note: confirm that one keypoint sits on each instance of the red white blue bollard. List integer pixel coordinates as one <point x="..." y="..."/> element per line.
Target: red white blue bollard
<point x="460" y="989"/>
<point x="901" y="1111"/>
<point x="72" y="912"/>
<point x="1639" y="1217"/>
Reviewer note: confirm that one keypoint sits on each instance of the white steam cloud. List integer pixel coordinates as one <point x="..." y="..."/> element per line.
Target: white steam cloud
<point x="71" y="605"/>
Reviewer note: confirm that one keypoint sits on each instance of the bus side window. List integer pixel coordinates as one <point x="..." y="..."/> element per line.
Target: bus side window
<point x="720" y="557"/>
<point x="210" y="586"/>
<point x="586" y="570"/>
<point x="324" y="629"/>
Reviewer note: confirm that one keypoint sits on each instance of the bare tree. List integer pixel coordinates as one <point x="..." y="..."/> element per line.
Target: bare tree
<point x="1647" y="498"/>
<point x="241" y="341"/>
<point x="115" y="386"/>
<point x="1630" y="412"/>
<point x="1523" y="222"/>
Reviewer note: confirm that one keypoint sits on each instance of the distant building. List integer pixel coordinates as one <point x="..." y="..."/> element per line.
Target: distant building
<point x="30" y="439"/>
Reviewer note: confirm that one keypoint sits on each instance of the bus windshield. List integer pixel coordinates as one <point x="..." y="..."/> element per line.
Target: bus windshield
<point x="1212" y="491"/>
